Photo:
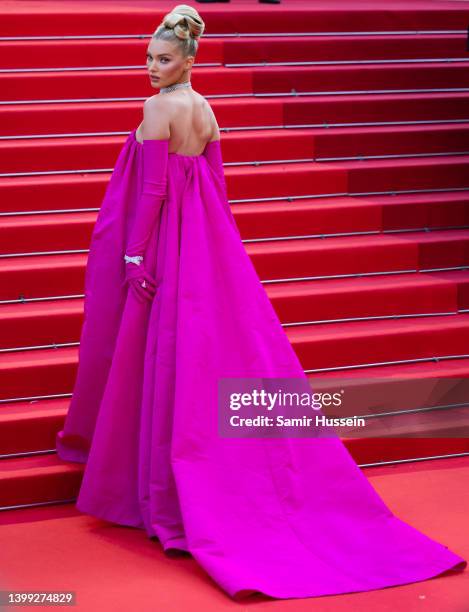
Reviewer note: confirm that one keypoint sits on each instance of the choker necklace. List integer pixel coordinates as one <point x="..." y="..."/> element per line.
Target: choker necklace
<point x="173" y="87"/>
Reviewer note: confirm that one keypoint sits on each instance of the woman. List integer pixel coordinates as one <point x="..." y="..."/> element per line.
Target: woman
<point x="173" y="305"/>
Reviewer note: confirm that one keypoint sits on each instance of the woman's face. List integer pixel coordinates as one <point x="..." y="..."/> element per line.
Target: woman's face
<point x="165" y="63"/>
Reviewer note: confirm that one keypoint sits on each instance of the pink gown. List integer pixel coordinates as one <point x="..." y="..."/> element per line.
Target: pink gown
<point x="288" y="517"/>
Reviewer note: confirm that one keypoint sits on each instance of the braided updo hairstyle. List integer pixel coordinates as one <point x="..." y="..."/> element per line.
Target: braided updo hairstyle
<point x="183" y="26"/>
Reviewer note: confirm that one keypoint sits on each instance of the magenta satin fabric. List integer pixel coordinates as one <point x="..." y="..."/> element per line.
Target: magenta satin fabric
<point x="288" y="517"/>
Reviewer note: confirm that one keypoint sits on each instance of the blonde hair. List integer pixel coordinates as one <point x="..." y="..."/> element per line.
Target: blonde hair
<point x="184" y="26"/>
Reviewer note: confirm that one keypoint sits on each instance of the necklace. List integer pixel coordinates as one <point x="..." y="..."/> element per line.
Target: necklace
<point x="173" y="87"/>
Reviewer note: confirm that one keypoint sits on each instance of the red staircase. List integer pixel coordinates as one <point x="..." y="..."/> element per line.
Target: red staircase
<point x="346" y="147"/>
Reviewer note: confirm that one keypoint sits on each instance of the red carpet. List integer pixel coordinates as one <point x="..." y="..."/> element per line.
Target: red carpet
<point x="118" y="569"/>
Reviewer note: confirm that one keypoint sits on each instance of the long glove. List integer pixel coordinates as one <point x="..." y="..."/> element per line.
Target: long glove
<point x="147" y="216"/>
<point x="214" y="157"/>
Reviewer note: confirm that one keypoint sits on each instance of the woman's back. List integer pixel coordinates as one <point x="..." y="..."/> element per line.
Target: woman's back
<point x="192" y="122"/>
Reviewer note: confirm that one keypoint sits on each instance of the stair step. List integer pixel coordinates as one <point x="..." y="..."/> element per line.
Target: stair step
<point x="309" y="216"/>
<point x="53" y="275"/>
<point x="38" y="479"/>
<point x="342" y="214"/>
<point x="59" y="321"/>
<point x="365" y="342"/>
<point x="122" y="52"/>
<point x="31" y="373"/>
<point x="83" y="84"/>
<point x="95" y="152"/>
<point x="42" y="276"/>
<point x="35" y="372"/>
<point x="359" y="255"/>
<point x="120" y="19"/>
<point x="31" y="426"/>
<point x="42" y="233"/>
<point x="370" y="296"/>
<point x="382" y="450"/>
<point x="274" y="180"/>
<point x="353" y="47"/>
<point x="41" y="323"/>
<point x="48" y="118"/>
<point x="128" y="52"/>
<point x="453" y="367"/>
<point x="34" y="480"/>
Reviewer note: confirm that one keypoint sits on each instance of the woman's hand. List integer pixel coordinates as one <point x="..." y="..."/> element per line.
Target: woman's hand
<point x="140" y="281"/>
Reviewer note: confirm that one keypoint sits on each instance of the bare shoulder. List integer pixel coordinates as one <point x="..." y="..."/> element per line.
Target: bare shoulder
<point x="156" y="118"/>
<point x="213" y="119"/>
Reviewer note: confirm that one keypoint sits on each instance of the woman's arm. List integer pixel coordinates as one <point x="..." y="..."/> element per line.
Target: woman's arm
<point x="147" y="215"/>
<point x="213" y="154"/>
